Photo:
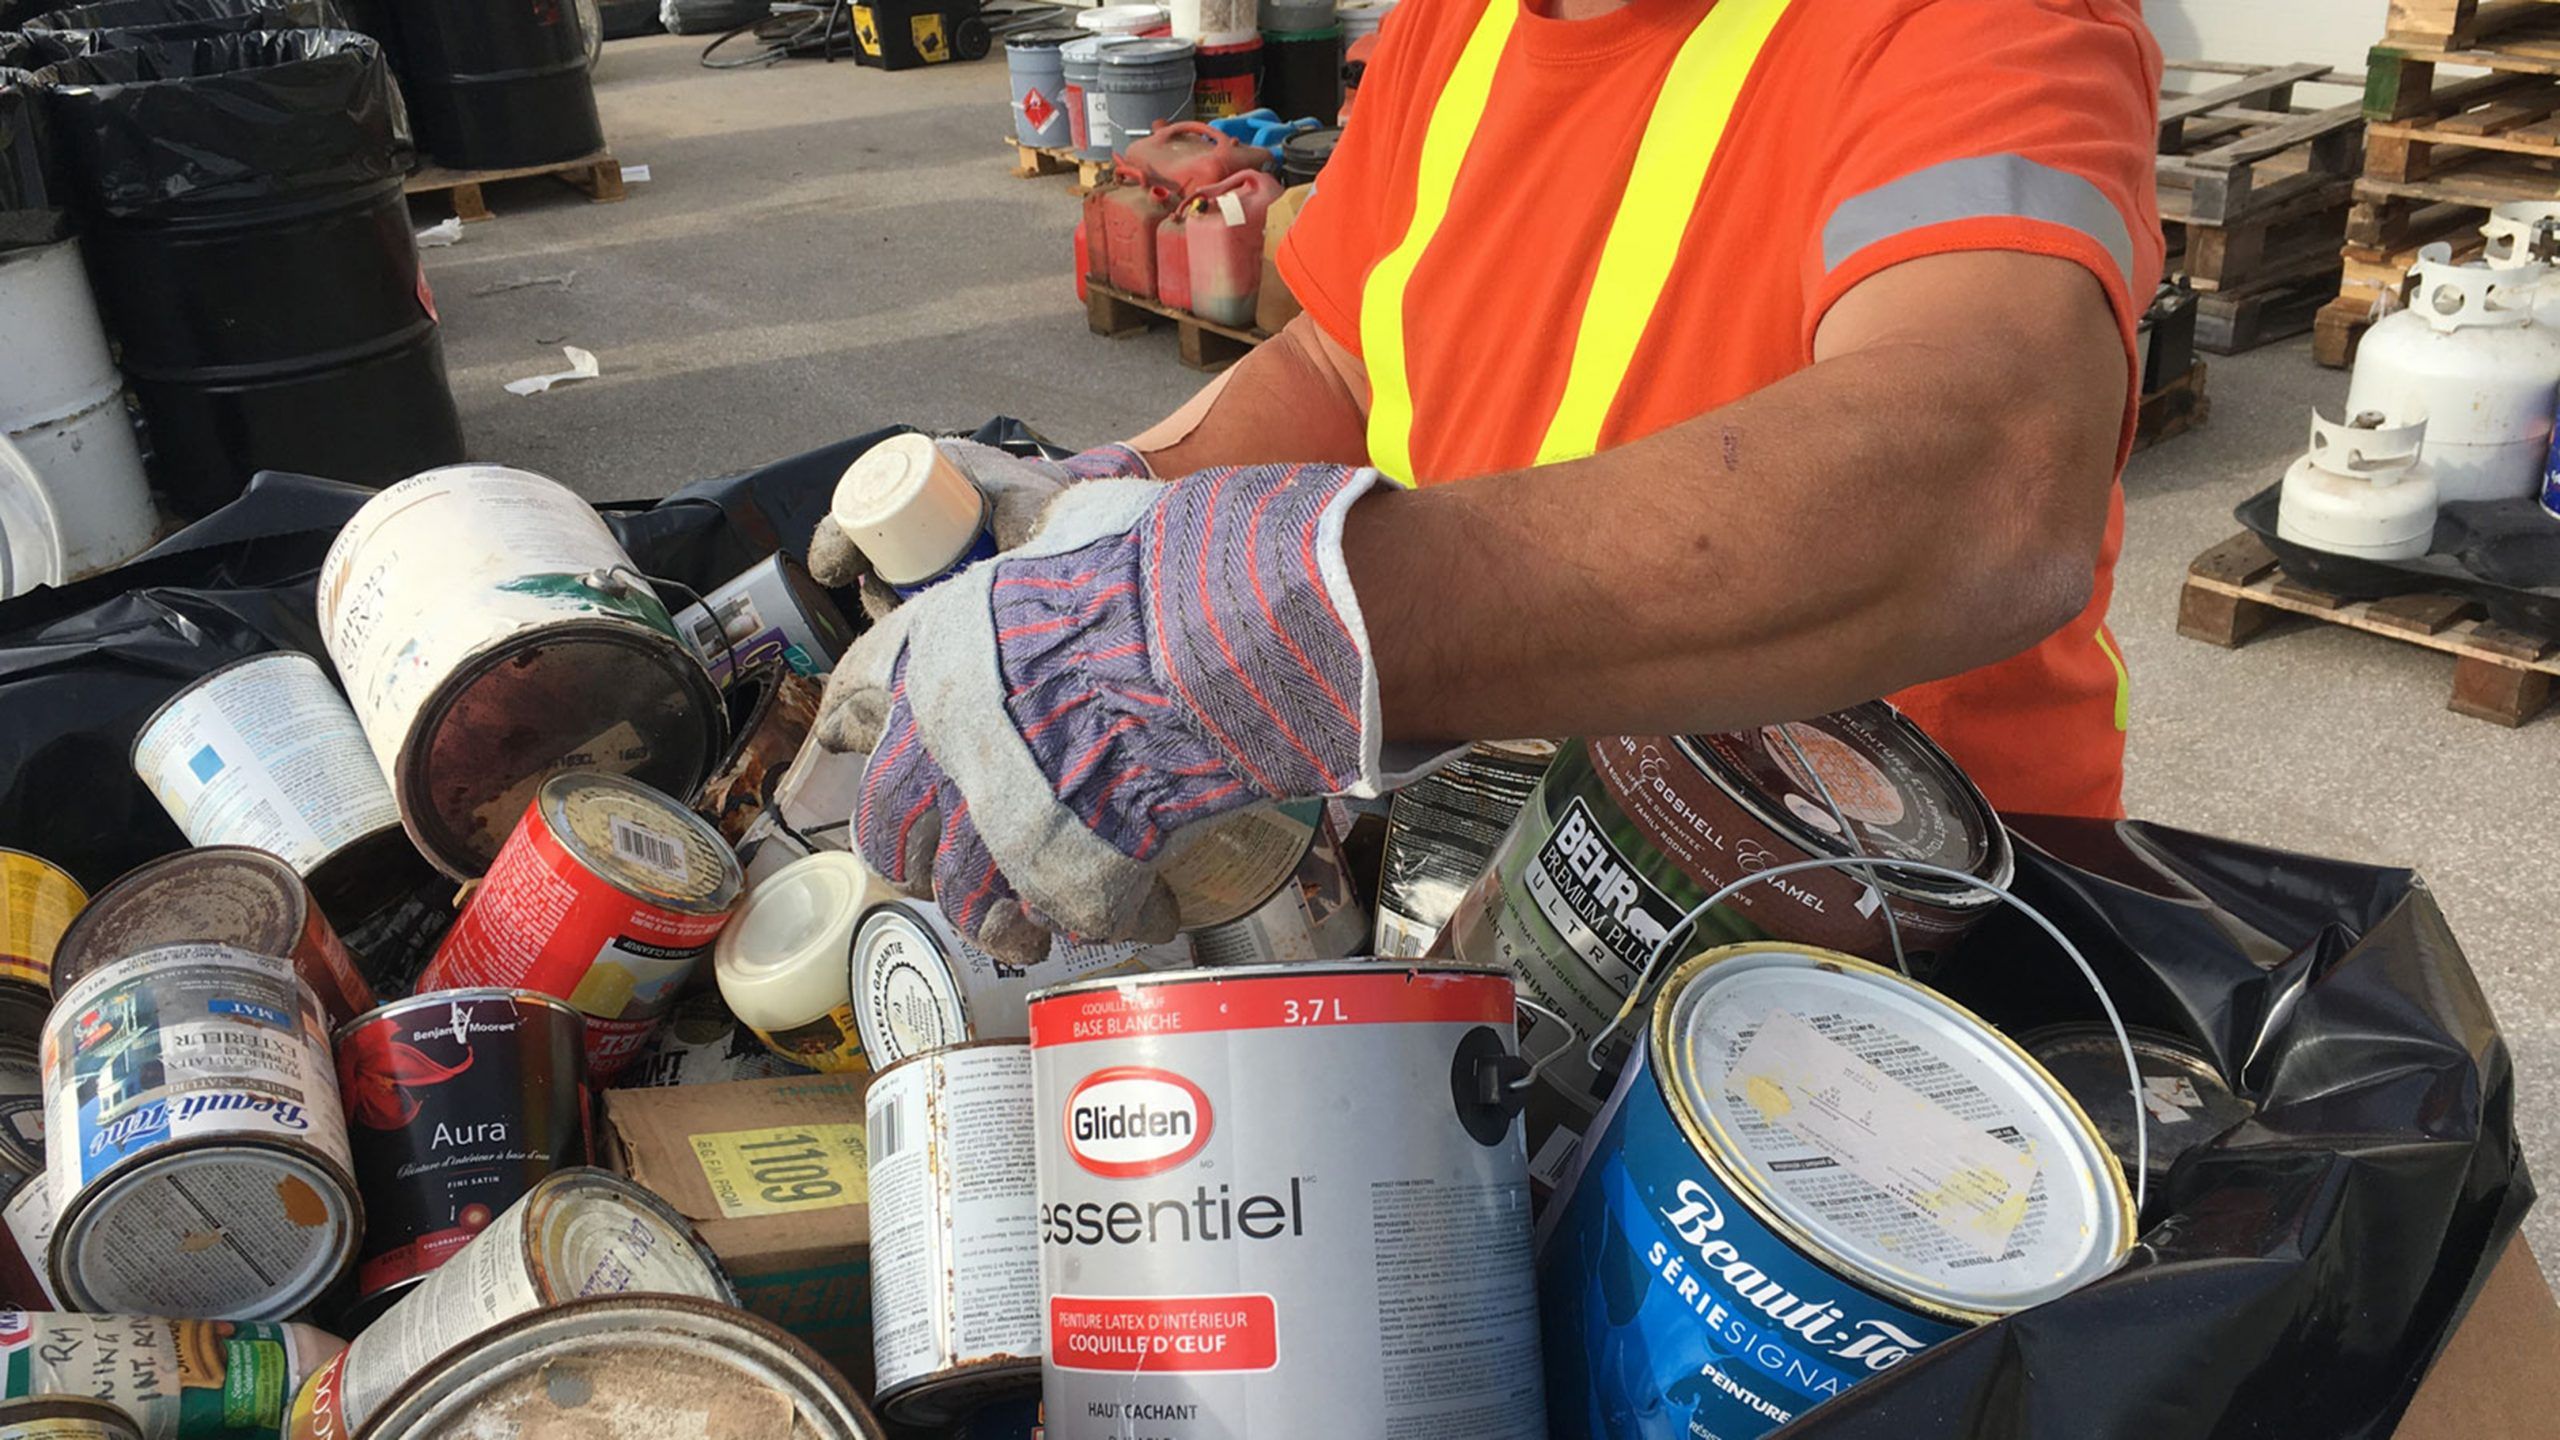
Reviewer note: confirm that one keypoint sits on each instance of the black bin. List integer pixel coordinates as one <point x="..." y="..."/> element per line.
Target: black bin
<point x="903" y="34"/>
<point x="497" y="84"/>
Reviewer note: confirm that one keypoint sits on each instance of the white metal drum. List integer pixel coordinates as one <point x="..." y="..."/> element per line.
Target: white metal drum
<point x="73" y="498"/>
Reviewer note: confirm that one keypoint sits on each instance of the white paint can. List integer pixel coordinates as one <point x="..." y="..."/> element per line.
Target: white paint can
<point x="85" y="505"/>
<point x="918" y="986"/>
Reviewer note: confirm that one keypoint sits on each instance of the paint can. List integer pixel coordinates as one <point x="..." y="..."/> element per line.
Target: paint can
<point x="1035" y="73"/>
<point x="576" y="1233"/>
<point x="264" y="752"/>
<point x="62" y="408"/>
<point x="1139" y="87"/>
<point x="1227" y="869"/>
<point x="223" y="894"/>
<point x="197" y="1158"/>
<point x="773" y="710"/>
<point x="1443" y="831"/>
<point x="38" y="900"/>
<point x="955" y="1264"/>
<point x="607" y="895"/>
<point x="918" y="986"/>
<point x="629" y="1368"/>
<point x="492" y="633"/>
<point x="22" y="1016"/>
<point x="61" y="1417"/>
<point x="1313" y="914"/>
<point x="1229" y="76"/>
<point x="28" y="1217"/>
<point x="458" y="1102"/>
<point x="2185" y="1101"/>
<point x="165" y="1379"/>
<point x="1812" y="1170"/>
<point x="786" y="961"/>
<point x="1275" y="1201"/>
<point x="774" y="613"/>
<point x="701" y="1043"/>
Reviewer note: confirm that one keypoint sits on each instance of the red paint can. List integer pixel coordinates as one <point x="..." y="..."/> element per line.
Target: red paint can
<point x="607" y="895"/>
<point x="1228" y="80"/>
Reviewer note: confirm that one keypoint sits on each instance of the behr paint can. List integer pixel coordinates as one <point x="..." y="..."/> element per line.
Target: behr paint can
<point x="62" y="1417"/>
<point x="166" y="1379"/>
<point x="918" y="986"/>
<point x="224" y="894"/>
<point x="196" y="1154"/>
<point x="786" y="961"/>
<point x="493" y="633"/>
<point x="608" y="895"/>
<point x="630" y="1367"/>
<point x="1276" y="1202"/>
<point x="458" y="1102"/>
<point x="1314" y="913"/>
<point x="576" y="1233"/>
<point x="38" y="901"/>
<point x="1811" y="1170"/>
<point x="774" y="712"/>
<point x="774" y="613"/>
<point x="955" y="1265"/>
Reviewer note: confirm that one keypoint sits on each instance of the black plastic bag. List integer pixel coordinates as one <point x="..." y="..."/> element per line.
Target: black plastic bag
<point x="162" y="125"/>
<point x="31" y="204"/>
<point x="79" y="30"/>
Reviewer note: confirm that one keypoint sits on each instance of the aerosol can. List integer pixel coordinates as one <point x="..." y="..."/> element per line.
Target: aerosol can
<point x="2361" y="490"/>
<point x="2467" y="359"/>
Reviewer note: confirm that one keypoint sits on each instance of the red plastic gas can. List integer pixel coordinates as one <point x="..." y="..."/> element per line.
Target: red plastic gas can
<point x="1225" y="243"/>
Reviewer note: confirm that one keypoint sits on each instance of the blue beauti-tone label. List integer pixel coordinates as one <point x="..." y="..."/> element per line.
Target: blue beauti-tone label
<point x="1670" y="1313"/>
<point x="984" y="548"/>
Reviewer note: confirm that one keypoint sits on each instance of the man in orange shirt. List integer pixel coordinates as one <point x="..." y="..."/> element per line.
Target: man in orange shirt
<point x="1667" y="366"/>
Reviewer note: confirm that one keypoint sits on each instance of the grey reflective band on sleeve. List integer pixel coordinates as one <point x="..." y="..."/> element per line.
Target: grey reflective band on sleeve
<point x="1980" y="187"/>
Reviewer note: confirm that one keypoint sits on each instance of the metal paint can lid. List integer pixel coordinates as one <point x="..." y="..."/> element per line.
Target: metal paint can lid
<point x="65" y="1417"/>
<point x="2184" y="1098"/>
<point x="641" y="842"/>
<point x="1892" y="1134"/>
<point x="906" y="985"/>
<point x="589" y="1232"/>
<point x="786" y="957"/>
<point x="225" y="894"/>
<point x="909" y="510"/>
<point x="109" y="1235"/>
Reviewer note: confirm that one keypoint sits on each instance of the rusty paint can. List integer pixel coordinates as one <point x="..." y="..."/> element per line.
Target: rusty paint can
<point x="773" y="709"/>
<point x="636" y="1367"/>
<point x="576" y="1233"/>
<point x="2185" y="1100"/>
<point x="775" y="612"/>
<point x="226" y="894"/>
<point x="493" y="633"/>
<point x="163" y="1379"/>
<point x="608" y="895"/>
<point x="918" y="986"/>
<point x="62" y="1417"/>
<point x="458" y="1102"/>
<point x="955" y="1253"/>
<point x="197" y="1157"/>
<point x="38" y="901"/>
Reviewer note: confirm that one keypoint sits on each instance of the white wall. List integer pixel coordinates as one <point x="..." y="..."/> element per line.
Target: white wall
<point x="2333" y="32"/>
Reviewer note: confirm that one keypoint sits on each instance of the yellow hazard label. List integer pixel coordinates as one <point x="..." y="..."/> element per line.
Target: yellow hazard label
<point x="784" y="1170"/>
<point x="867" y="30"/>
<point x="926" y="31"/>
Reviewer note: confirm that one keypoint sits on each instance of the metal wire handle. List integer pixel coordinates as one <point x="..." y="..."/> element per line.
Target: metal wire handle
<point x="1538" y="1066"/>
<point x="1637" y="992"/>
<point x="1849" y="837"/>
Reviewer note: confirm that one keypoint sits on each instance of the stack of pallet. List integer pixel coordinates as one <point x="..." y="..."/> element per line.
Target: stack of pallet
<point x="2439" y="151"/>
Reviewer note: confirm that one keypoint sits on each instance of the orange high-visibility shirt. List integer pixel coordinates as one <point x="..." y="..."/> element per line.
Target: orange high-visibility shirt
<point x="1868" y="132"/>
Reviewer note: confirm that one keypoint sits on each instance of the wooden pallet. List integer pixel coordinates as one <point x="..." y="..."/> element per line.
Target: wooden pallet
<point x="599" y="175"/>
<point x="2383" y="240"/>
<point x="1030" y="162"/>
<point x="2234" y="151"/>
<point x="1206" y="344"/>
<point x="2173" y="409"/>
<point x="2238" y="588"/>
<point x="2456" y="24"/>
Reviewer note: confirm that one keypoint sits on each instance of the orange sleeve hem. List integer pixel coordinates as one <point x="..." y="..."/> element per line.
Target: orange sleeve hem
<point x="1340" y="324"/>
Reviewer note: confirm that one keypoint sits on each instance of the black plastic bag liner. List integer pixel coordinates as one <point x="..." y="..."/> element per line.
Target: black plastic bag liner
<point x="86" y="29"/>
<point x="2313" y="1261"/>
<point x="169" y="124"/>
<point x="31" y="203"/>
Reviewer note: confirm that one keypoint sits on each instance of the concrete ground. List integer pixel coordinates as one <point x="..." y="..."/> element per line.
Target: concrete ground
<point x="823" y="249"/>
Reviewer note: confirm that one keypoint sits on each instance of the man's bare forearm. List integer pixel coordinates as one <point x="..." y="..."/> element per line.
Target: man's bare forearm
<point x="1296" y="397"/>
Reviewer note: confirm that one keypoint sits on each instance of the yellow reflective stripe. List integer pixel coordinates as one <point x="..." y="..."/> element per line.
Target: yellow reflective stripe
<point x="1680" y="140"/>
<point x="2124" y="679"/>
<point x="1453" y="123"/>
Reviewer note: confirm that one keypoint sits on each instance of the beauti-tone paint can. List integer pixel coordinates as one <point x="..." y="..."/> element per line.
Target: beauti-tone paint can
<point x="37" y="902"/>
<point x="227" y="894"/>
<point x="61" y="1417"/>
<point x="576" y="1233"/>
<point x="458" y="1102"/>
<point x="492" y="633"/>
<point x="774" y="613"/>
<point x="196" y="1155"/>
<point x="786" y="961"/>
<point x="918" y="986"/>
<point x="607" y="895"/>
<point x="167" y="1379"/>
<point x="1812" y="1169"/>
<point x="775" y="710"/>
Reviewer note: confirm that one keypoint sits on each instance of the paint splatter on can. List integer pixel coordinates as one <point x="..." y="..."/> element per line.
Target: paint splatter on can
<point x="60" y="1417"/>
<point x="38" y="900"/>
<point x="227" y="894"/>
<point x="608" y="895"/>
<point x="457" y="1103"/>
<point x="1811" y="1170"/>
<point x="197" y="1158"/>
<point x="493" y="633"/>
<point x="955" y="1266"/>
<point x="774" y="711"/>
<point x="576" y="1233"/>
<point x="786" y="962"/>
<point x="1284" y="1200"/>
<point x="774" y="613"/>
<point x="165" y="1379"/>
<point x="2185" y="1101"/>
<point x="918" y="986"/>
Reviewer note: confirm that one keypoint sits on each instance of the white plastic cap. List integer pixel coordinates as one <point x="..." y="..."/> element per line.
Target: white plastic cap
<point x="909" y="510"/>
<point x="785" y="958"/>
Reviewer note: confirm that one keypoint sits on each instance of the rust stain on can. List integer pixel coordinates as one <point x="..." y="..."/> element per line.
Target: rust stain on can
<point x="223" y="894"/>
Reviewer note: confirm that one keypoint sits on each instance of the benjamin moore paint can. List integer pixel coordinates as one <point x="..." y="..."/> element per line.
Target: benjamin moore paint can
<point x="785" y="962"/>
<point x="1812" y="1170"/>
<point x="227" y="894"/>
<point x="197" y="1158"/>
<point x="37" y="902"/>
<point x="607" y="895"/>
<point x="492" y="633"/>
<point x="575" y="1233"/>
<point x="918" y="986"/>
<point x="458" y="1102"/>
<point x="775" y="613"/>
<point x="776" y="709"/>
<point x="167" y="1379"/>
<point x="1275" y="1202"/>
<point x="637" y="1367"/>
<point x="2185" y="1101"/>
<point x="955" y="1266"/>
<point x="60" y="1417"/>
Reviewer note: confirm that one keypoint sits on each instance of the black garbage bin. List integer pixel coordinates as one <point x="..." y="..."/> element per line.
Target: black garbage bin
<point x="497" y="84"/>
<point x="252" y="253"/>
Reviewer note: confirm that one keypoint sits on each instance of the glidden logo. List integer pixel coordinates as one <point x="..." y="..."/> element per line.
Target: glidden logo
<point x="1132" y="1120"/>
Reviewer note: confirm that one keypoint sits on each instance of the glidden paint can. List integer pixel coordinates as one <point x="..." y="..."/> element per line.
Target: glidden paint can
<point x="607" y="895"/>
<point x="918" y="986"/>
<point x="955" y="1265"/>
<point x="785" y="963"/>
<point x="197" y="1158"/>
<point x="225" y="894"/>
<point x="1278" y="1202"/>
<point x="775" y="613"/>
<point x="168" y="1379"/>
<point x="1812" y="1170"/>
<point x="575" y="1233"/>
<point x="37" y="902"/>
<point x="492" y="633"/>
<point x="60" y="1417"/>
<point x="457" y="1102"/>
<point x="637" y="1367"/>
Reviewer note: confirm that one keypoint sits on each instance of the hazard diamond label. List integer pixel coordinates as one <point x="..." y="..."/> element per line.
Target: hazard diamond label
<point x="1037" y="108"/>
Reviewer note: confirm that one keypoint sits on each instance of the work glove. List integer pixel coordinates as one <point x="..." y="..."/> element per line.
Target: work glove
<point x="1018" y="490"/>
<point x="1044" y="726"/>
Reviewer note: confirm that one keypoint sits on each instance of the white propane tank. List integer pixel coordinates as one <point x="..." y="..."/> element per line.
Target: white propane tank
<point x="62" y="409"/>
<point x="2527" y="232"/>
<point x="2467" y="359"/>
<point x="2361" y="490"/>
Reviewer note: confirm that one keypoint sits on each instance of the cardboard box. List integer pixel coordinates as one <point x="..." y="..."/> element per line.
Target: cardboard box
<point x="771" y="1171"/>
<point x="2498" y="1378"/>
